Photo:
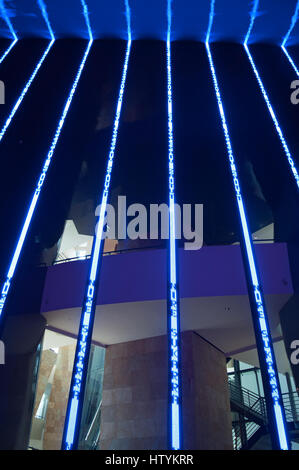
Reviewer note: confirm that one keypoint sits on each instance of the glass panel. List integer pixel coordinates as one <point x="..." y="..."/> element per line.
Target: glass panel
<point x="91" y="415"/>
<point x="51" y="392"/>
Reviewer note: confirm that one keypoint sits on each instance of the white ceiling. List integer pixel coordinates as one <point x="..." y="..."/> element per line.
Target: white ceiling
<point x="224" y="321"/>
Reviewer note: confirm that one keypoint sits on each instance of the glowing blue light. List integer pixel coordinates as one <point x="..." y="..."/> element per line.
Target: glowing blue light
<point x="11" y="29"/>
<point x="255" y="283"/>
<point x="26" y="88"/>
<point x="290" y="60"/>
<point x="7" y="19"/>
<point x="41" y="180"/>
<point x="267" y="100"/>
<point x="128" y="18"/>
<point x="173" y="313"/>
<point x="285" y="39"/>
<point x="76" y="395"/>
<point x="293" y="22"/>
<point x="43" y="9"/>
<point x="253" y="14"/>
<point x="211" y="19"/>
<point x="86" y="16"/>
<point x="7" y="51"/>
<point x="98" y="239"/>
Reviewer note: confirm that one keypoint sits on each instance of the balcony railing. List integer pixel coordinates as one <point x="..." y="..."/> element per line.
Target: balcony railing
<point x="61" y="258"/>
<point x="252" y="409"/>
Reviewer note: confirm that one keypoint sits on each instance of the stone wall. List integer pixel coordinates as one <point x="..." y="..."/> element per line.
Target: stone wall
<point x="206" y="404"/>
<point x="134" y="407"/>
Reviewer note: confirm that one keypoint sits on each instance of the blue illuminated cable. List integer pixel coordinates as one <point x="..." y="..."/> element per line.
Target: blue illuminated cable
<point x="7" y="51"/>
<point x="292" y="25"/>
<point x="7" y="19"/>
<point x="43" y="9"/>
<point x="173" y="313"/>
<point x="262" y="330"/>
<point x="11" y="29"/>
<point x="285" y="39"/>
<point x="269" y="105"/>
<point x="286" y="52"/>
<point x="253" y="15"/>
<point x="77" y="387"/>
<point x="40" y="182"/>
<point x="86" y="16"/>
<point x="128" y="18"/>
<point x="210" y="23"/>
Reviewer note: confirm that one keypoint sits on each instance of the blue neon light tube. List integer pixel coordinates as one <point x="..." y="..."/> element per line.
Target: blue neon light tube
<point x="11" y="29"/>
<point x="44" y="12"/>
<point x="38" y="188"/>
<point x="267" y="100"/>
<point x="286" y="52"/>
<point x="86" y="16"/>
<point x="80" y="368"/>
<point x="173" y="314"/>
<point x="260" y="320"/>
<point x="285" y="39"/>
<point x="7" y="51"/>
<point x="76" y="396"/>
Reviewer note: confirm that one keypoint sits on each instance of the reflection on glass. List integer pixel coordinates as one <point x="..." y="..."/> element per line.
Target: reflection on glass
<point x="91" y="416"/>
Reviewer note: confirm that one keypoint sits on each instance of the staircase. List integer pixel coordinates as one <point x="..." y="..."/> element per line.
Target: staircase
<point x="251" y="427"/>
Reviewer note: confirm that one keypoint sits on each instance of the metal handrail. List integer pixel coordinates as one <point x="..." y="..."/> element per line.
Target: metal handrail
<point x="291" y="407"/>
<point x="250" y="429"/>
<point x="108" y="253"/>
<point x="248" y="399"/>
<point x="125" y="250"/>
<point x="63" y="258"/>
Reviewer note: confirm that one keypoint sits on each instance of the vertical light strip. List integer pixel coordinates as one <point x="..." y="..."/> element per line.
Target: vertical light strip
<point x="76" y="395"/>
<point x="11" y="29"/>
<point x="260" y="320"/>
<point x="40" y="182"/>
<point x="173" y="314"/>
<point x="267" y="100"/>
<point x="285" y="39"/>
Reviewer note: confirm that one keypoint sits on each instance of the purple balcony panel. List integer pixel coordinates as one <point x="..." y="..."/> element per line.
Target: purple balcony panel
<point x="141" y="275"/>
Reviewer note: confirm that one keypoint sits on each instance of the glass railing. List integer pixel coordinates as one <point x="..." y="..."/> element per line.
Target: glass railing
<point x="91" y="414"/>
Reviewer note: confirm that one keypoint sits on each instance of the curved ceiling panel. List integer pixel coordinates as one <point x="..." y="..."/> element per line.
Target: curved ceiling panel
<point x="190" y="19"/>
